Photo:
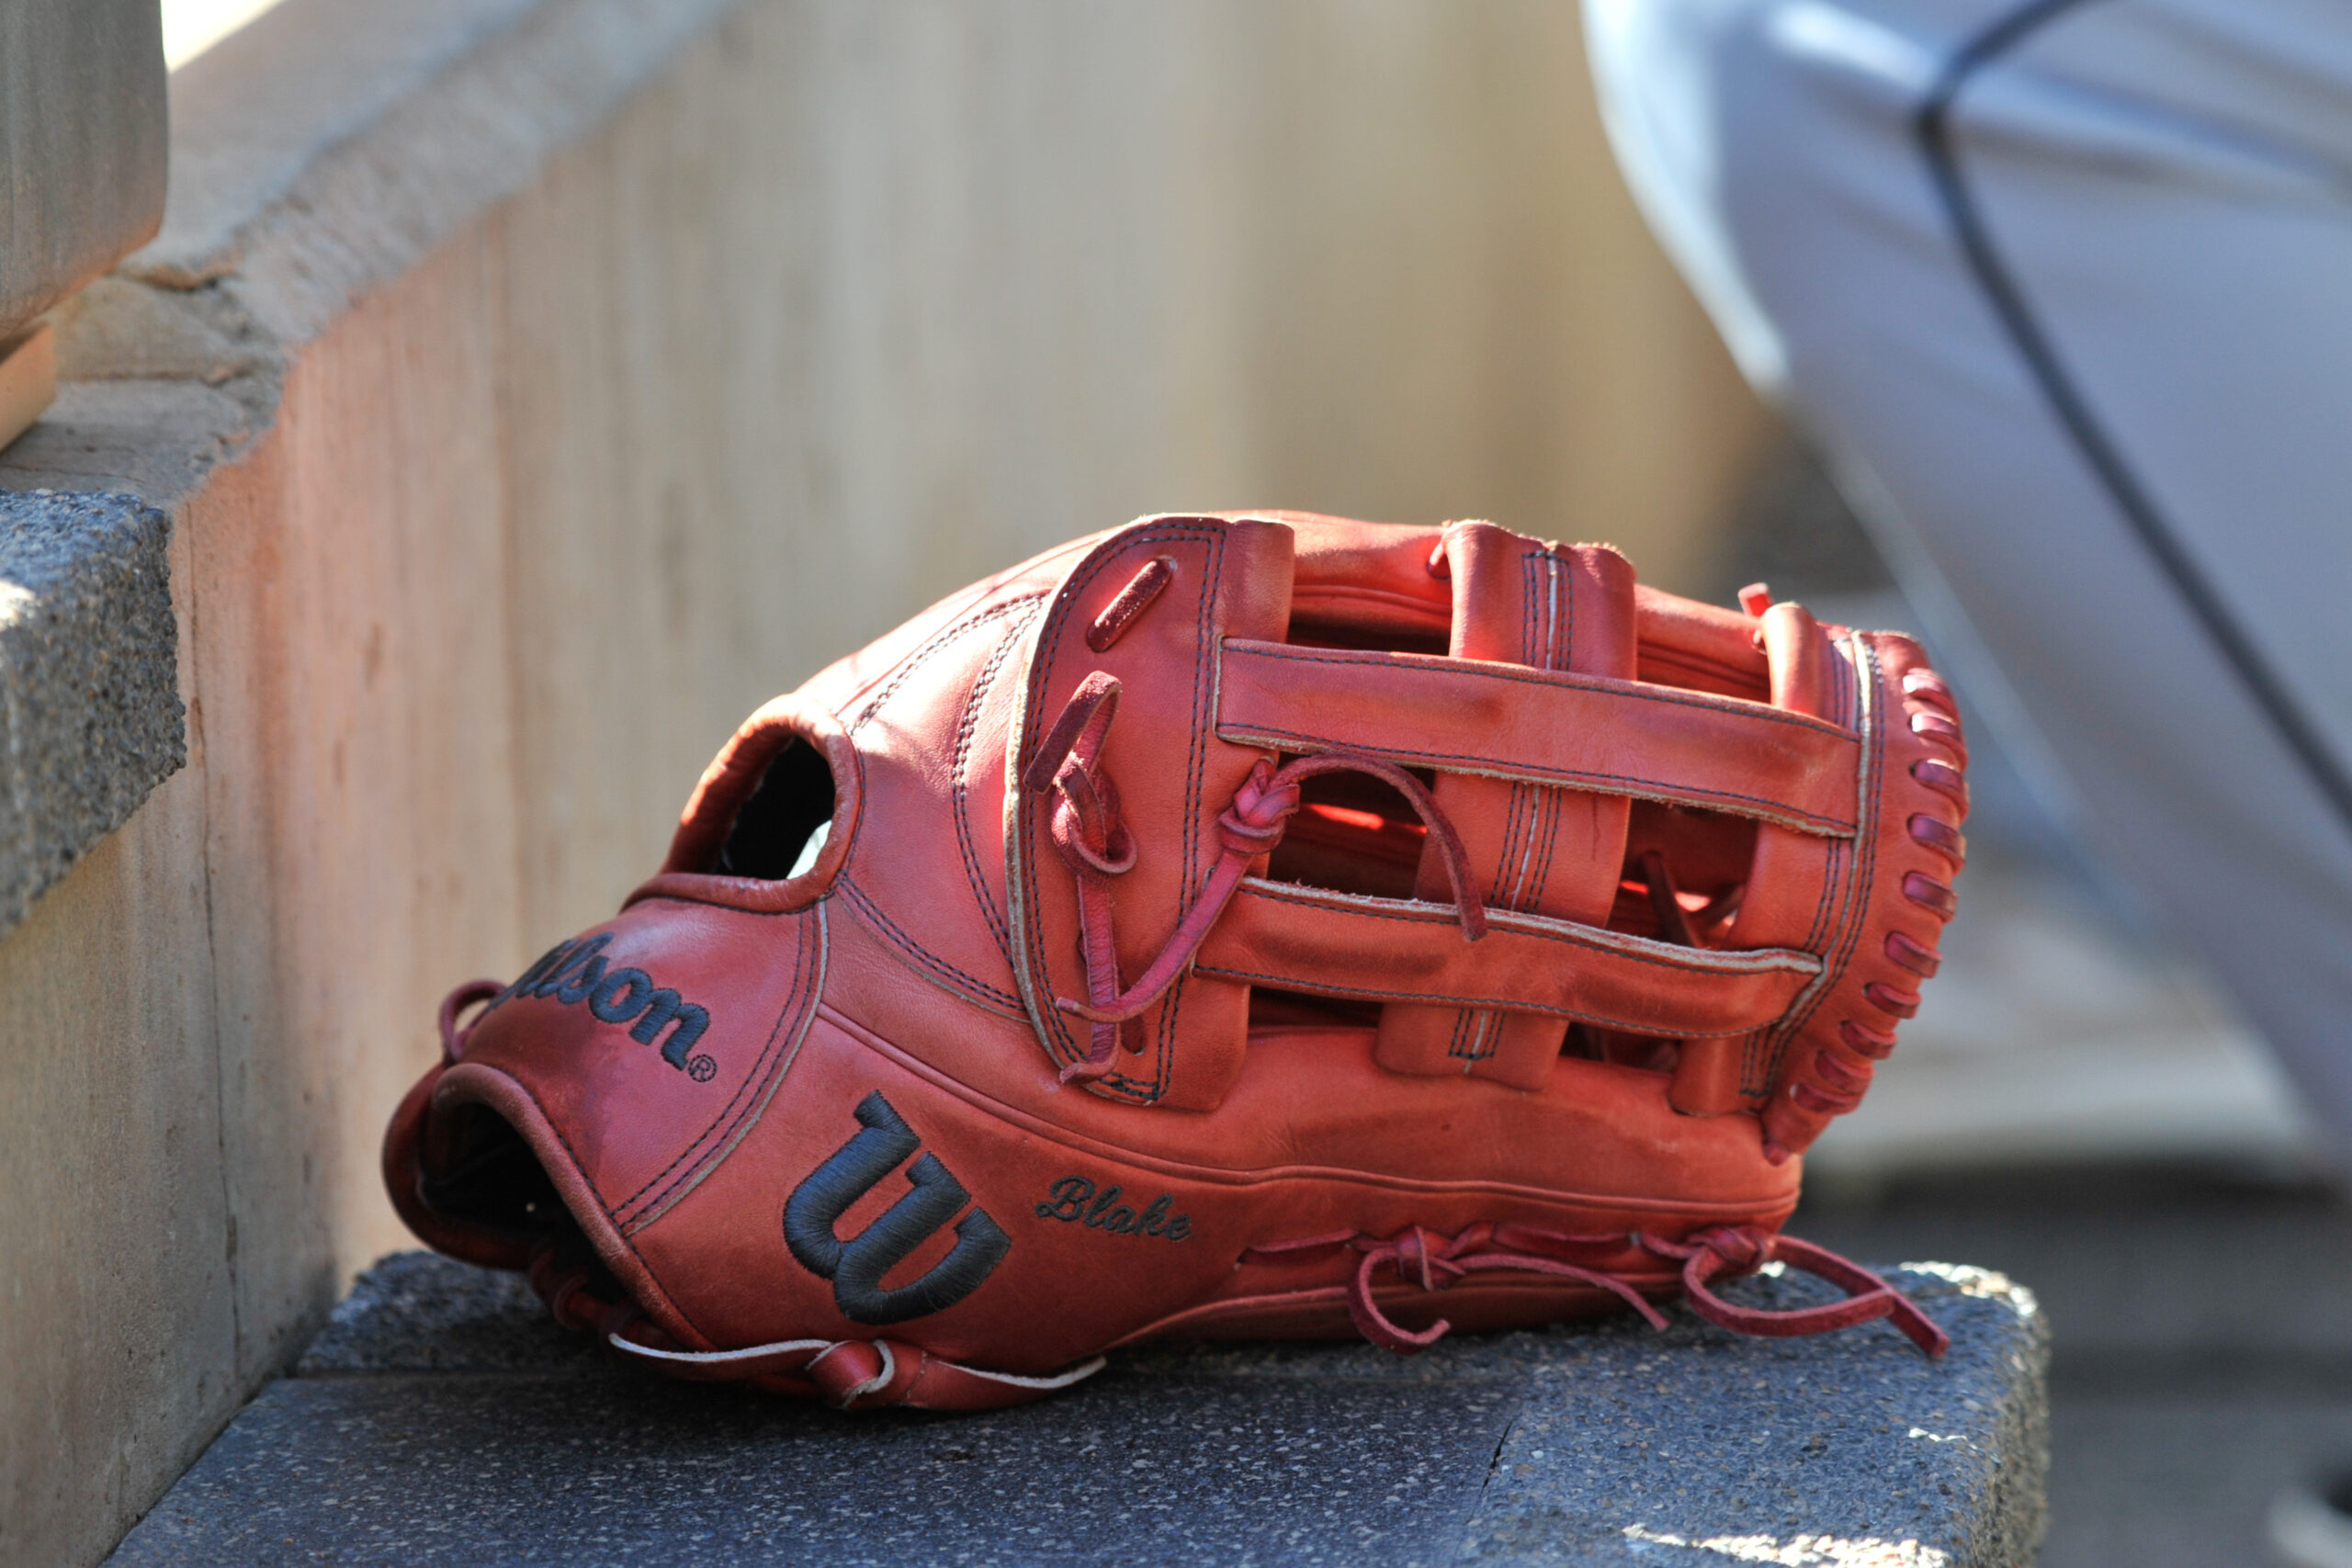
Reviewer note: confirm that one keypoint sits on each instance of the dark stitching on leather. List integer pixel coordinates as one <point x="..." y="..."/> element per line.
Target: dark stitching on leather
<point x="1523" y="816"/>
<point x="1207" y="651"/>
<point x="1062" y="1047"/>
<point x="1866" y="853"/>
<point x="1486" y="1037"/>
<point x="1822" y="929"/>
<point x="1855" y="916"/>
<point x="1443" y="915"/>
<point x="1499" y="886"/>
<point x="919" y="953"/>
<point x="800" y="968"/>
<point x="1855" y="900"/>
<point x="1551" y="806"/>
<point x="1569" y="631"/>
<point x="1761" y="1064"/>
<point x="1555" y="809"/>
<point x="1862" y="663"/>
<point x="1170" y="1007"/>
<point x="1751" y="1059"/>
<point x="1734" y="709"/>
<point x="1671" y="791"/>
<point x="1846" y="693"/>
<point x="732" y="909"/>
<point x="857" y="828"/>
<point x="923" y="655"/>
<point x="960" y="796"/>
<point x="1001" y="1004"/>
<point x="1458" y="1048"/>
<point x="1483" y="1004"/>
<point x="1527" y="612"/>
<point x="1825" y="899"/>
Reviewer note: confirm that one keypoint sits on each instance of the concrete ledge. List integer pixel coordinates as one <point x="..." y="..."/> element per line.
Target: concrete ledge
<point x="317" y="154"/>
<point x="90" y="717"/>
<point x="323" y="150"/>
<point x="442" y="1418"/>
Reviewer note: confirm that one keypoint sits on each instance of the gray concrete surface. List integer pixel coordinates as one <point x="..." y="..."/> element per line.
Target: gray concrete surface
<point x="441" y="1418"/>
<point x="90" y="716"/>
<point x="82" y="143"/>
<point x="2202" y="1358"/>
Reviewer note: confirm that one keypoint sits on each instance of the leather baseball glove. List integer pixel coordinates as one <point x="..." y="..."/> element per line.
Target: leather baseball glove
<point x="1259" y="925"/>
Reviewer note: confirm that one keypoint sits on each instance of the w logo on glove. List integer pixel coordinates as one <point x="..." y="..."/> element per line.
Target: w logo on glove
<point x="855" y="1267"/>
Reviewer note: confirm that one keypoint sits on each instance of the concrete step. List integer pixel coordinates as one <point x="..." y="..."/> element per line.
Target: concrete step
<point x="442" y="1418"/>
<point x="2201" y="1361"/>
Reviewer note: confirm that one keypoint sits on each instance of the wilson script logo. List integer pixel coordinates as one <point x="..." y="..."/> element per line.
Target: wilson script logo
<point x="857" y="1266"/>
<point x="574" y="971"/>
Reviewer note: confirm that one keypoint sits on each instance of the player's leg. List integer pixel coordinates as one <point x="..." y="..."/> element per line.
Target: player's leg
<point x="2064" y="288"/>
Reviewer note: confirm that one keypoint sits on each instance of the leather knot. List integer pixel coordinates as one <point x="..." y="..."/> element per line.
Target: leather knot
<point x="851" y="1370"/>
<point x="1744" y="1250"/>
<point x="1423" y="1252"/>
<point x="1108" y="850"/>
<point x="1252" y="825"/>
<point x="567" y="1285"/>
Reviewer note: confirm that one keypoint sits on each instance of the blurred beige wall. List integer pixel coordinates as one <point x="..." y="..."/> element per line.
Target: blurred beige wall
<point x="1440" y="288"/>
<point x="1359" y="257"/>
<point x="495" y="513"/>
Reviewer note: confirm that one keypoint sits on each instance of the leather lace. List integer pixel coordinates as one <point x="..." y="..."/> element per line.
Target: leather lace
<point x="454" y="1007"/>
<point x="1417" y="1255"/>
<point x="1095" y="842"/>
<point x="1722" y="1250"/>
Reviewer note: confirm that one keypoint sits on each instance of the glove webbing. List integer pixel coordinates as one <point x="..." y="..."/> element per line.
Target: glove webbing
<point x="1097" y="846"/>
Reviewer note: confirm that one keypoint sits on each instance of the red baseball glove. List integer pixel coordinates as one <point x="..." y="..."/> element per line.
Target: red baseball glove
<point x="1265" y="926"/>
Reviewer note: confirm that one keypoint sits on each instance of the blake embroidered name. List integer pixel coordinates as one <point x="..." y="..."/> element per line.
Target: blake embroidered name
<point x="574" y="971"/>
<point x="1074" y="1199"/>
